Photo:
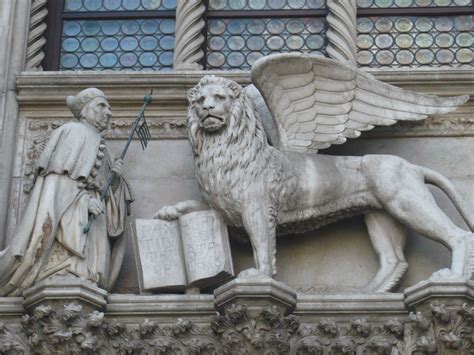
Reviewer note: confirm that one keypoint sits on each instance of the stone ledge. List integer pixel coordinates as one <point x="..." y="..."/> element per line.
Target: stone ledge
<point x="63" y="289"/>
<point x="256" y="294"/>
<point x="11" y="306"/>
<point x="430" y="289"/>
<point x="391" y="303"/>
<point x="160" y="304"/>
<point x="170" y="87"/>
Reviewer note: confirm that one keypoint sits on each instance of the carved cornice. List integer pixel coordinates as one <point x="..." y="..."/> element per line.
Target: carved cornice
<point x="36" y="35"/>
<point x="442" y="329"/>
<point x="188" y="34"/>
<point x="342" y="33"/>
<point x="39" y="88"/>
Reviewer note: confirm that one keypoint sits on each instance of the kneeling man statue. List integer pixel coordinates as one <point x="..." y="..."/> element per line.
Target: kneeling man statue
<point x="72" y="169"/>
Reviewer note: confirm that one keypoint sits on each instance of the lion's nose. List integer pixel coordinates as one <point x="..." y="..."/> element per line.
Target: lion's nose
<point x="208" y="105"/>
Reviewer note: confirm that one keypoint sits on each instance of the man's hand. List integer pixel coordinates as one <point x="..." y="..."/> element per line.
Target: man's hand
<point x="117" y="167"/>
<point x="96" y="207"/>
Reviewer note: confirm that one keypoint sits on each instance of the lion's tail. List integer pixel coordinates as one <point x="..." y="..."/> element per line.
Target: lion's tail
<point x="434" y="178"/>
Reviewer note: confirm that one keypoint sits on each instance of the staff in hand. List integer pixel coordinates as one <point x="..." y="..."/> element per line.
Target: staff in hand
<point x="143" y="132"/>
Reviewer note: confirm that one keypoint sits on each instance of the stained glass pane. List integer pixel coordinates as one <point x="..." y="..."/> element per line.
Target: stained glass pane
<point x="118" y="5"/>
<point x="415" y="41"/>
<point x="117" y="44"/>
<point x="381" y="4"/>
<point x="266" y="4"/>
<point x="238" y="43"/>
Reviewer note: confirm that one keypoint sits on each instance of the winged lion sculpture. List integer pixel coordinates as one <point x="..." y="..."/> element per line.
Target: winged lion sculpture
<point x="285" y="188"/>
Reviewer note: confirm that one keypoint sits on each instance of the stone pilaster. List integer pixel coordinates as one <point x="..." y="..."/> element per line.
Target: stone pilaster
<point x="14" y="17"/>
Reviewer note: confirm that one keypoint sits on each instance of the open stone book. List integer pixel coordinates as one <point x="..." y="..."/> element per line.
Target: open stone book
<point x="192" y="251"/>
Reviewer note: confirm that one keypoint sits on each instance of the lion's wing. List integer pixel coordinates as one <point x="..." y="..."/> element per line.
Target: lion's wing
<point x="317" y="102"/>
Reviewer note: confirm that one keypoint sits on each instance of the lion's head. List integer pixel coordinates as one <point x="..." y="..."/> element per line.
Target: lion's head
<point x="211" y="100"/>
<point x="218" y="105"/>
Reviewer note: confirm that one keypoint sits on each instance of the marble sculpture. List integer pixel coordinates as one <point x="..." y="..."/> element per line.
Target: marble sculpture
<point x="71" y="170"/>
<point x="286" y="187"/>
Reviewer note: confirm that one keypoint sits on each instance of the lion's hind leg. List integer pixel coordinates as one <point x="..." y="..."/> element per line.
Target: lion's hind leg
<point x="416" y="207"/>
<point x="388" y="239"/>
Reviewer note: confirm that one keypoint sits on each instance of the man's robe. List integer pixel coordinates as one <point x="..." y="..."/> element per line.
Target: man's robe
<point x="49" y="239"/>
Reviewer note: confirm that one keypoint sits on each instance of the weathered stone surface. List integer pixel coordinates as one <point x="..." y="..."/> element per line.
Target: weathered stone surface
<point x="193" y="250"/>
<point x="158" y="254"/>
<point x="270" y="191"/>
<point x="255" y="294"/>
<point x="71" y="172"/>
<point x="310" y="263"/>
<point x="57" y="290"/>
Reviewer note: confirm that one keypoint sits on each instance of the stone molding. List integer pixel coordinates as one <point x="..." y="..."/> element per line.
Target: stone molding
<point x="63" y="288"/>
<point x="36" y="35"/>
<point x="342" y="32"/>
<point x="188" y="34"/>
<point x="43" y="88"/>
<point x="442" y="328"/>
<point x="257" y="292"/>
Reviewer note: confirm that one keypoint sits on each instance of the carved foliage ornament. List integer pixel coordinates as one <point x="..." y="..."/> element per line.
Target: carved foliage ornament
<point x="441" y="330"/>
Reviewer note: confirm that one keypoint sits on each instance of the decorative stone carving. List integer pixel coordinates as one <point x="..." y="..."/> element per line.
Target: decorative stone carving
<point x="445" y="330"/>
<point x="71" y="170"/>
<point x="267" y="333"/>
<point x="191" y="252"/>
<point x="317" y="102"/>
<point x="255" y="295"/>
<point x="439" y="329"/>
<point x="70" y="330"/>
<point x="342" y="31"/>
<point x="188" y="36"/>
<point x="36" y="35"/>
<point x="12" y="340"/>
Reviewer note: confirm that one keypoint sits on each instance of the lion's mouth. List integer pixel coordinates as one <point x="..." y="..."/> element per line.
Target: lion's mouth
<point x="212" y="123"/>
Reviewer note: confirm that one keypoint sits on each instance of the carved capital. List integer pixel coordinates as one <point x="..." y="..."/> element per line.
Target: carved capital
<point x="269" y="332"/>
<point x="255" y="294"/>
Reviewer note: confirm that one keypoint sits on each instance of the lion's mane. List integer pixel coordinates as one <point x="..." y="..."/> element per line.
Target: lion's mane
<point x="227" y="162"/>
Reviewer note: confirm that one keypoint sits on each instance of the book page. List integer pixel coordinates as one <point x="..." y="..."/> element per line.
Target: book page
<point x="158" y="254"/>
<point x="206" y="248"/>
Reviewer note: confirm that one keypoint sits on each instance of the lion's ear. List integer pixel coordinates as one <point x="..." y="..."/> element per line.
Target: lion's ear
<point x="192" y="95"/>
<point x="234" y="88"/>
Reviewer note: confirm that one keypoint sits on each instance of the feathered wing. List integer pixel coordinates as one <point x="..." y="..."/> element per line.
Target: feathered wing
<point x="317" y="102"/>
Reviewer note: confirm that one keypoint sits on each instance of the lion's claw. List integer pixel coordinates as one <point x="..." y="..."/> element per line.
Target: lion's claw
<point x="167" y="213"/>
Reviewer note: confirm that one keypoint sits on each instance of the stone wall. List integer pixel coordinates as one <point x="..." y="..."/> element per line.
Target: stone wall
<point x="163" y="174"/>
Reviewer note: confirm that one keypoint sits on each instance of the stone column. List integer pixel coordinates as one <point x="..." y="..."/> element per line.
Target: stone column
<point x="342" y="31"/>
<point x="188" y="34"/>
<point x="14" y="18"/>
<point x="36" y="35"/>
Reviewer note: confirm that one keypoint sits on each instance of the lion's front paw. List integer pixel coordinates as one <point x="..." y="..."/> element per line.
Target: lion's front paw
<point x="167" y="213"/>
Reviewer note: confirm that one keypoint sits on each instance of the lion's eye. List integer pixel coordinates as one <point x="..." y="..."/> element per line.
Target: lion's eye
<point x="220" y="97"/>
<point x="200" y="100"/>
